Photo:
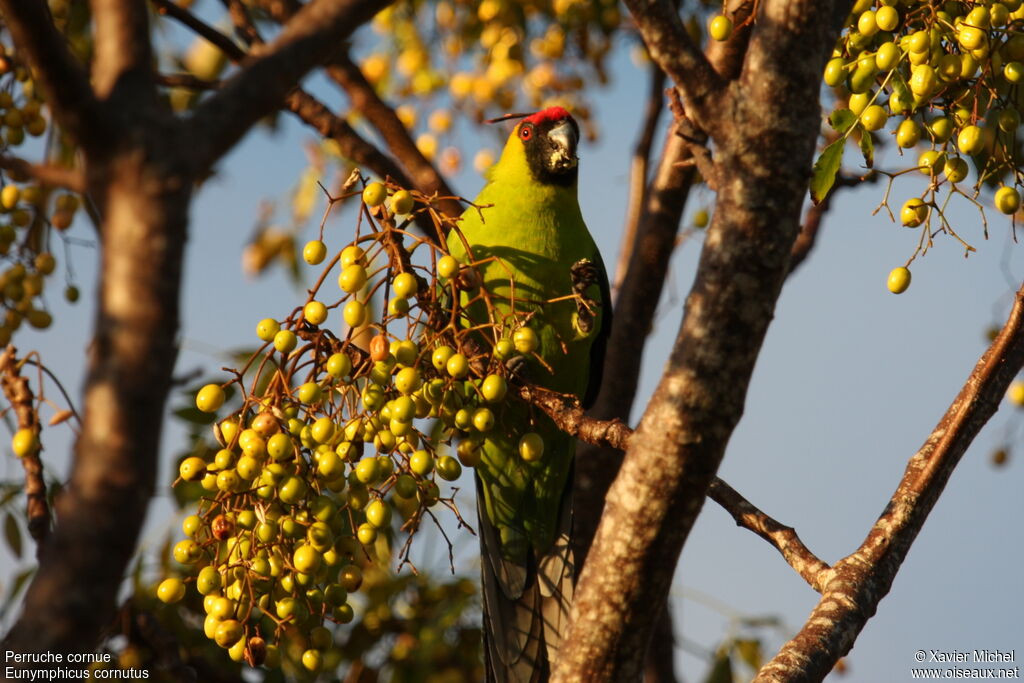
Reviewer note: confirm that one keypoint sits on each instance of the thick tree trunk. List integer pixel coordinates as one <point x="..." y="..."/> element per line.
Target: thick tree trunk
<point x="764" y="125"/>
<point x="131" y="358"/>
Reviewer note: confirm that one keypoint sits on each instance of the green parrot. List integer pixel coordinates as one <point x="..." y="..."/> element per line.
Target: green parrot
<point x="534" y="255"/>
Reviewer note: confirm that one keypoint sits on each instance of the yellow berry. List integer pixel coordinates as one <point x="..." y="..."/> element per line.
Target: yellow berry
<point x="210" y="398"/>
<point x="25" y="442"/>
<point x="170" y="590"/>
<point x="314" y="252"/>
<point x="720" y="27"/>
<point x="374" y="194"/>
<point x="899" y="280"/>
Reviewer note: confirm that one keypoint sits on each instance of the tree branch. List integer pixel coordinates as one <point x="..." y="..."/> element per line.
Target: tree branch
<point x="353" y="146"/>
<point x="19" y="395"/>
<point x="672" y="49"/>
<point x="784" y="538"/>
<point x="566" y="413"/>
<point x="123" y="56"/>
<point x="61" y="76"/>
<point x="264" y="82"/>
<point x="46" y="174"/>
<point x="861" y="580"/>
<point x="312" y="112"/>
<point x="382" y="117"/>
<point x="638" y="171"/>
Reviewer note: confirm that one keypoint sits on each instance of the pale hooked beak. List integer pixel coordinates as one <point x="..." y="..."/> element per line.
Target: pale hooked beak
<point x="563" y="139"/>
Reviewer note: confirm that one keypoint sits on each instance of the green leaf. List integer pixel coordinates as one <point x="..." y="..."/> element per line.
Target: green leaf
<point x="12" y="534"/>
<point x="19" y="582"/>
<point x="9" y="492"/>
<point x="721" y="669"/>
<point x="867" y="148"/>
<point x="842" y="120"/>
<point x="749" y="651"/>
<point x="823" y="176"/>
<point x="194" y="415"/>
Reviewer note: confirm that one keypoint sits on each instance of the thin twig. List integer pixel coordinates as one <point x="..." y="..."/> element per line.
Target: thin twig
<point x="47" y="174"/>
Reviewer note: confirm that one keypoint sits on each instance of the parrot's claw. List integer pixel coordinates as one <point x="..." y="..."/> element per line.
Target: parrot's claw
<point x="516" y="366"/>
<point x="584" y="275"/>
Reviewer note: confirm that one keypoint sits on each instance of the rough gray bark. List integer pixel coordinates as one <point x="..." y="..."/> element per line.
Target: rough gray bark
<point x="764" y="125"/>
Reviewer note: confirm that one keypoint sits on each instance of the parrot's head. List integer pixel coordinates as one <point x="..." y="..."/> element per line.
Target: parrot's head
<point x="549" y="138"/>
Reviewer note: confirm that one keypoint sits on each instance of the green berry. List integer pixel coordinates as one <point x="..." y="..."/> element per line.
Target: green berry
<point x="405" y="285"/>
<point x="525" y="340"/>
<point x="314" y="312"/>
<point x="494" y="388"/>
<point x="1007" y="199"/>
<point x="267" y="328"/>
<point x="457" y="366"/>
<point x="285" y="341"/>
<point x="447" y="267"/>
<point x="402" y="203"/>
<point x="310" y="393"/>
<point x="375" y="194"/>
<point x="448" y="468"/>
<point x="378" y="513"/>
<point x="421" y="463"/>
<point x="191" y="469"/>
<point x="531" y="447"/>
<point x="170" y="590"/>
<point x="338" y="365"/>
<point x="352" y="278"/>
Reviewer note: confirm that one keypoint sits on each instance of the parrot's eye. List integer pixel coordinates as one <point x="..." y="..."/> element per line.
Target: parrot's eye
<point x="526" y="132"/>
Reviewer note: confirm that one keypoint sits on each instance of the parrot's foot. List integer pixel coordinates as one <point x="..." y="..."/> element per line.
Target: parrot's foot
<point x="584" y="275"/>
<point x="517" y="368"/>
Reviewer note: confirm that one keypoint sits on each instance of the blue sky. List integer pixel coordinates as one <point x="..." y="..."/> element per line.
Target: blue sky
<point x="850" y="382"/>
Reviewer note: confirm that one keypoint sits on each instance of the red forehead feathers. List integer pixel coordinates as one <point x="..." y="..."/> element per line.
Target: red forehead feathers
<point x="549" y="114"/>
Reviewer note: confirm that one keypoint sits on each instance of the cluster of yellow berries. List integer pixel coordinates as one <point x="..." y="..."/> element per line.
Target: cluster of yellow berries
<point x="328" y="448"/>
<point x="943" y="76"/>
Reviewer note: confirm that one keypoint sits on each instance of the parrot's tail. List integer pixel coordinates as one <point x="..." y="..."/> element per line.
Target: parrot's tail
<point x="525" y="606"/>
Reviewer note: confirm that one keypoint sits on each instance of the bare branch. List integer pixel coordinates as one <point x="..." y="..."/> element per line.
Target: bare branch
<point x="47" y="174"/>
<point x="61" y="76"/>
<point x="566" y="413"/>
<point x="210" y="34"/>
<point x="382" y="117"/>
<point x="310" y="110"/>
<point x="263" y="84"/>
<point x="862" y="579"/>
<point x="244" y="27"/>
<point x="696" y="143"/>
<point x="784" y="538"/>
<point x="353" y="146"/>
<point x="187" y="81"/>
<point x="638" y="171"/>
<point x="672" y="49"/>
<point x="18" y="393"/>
